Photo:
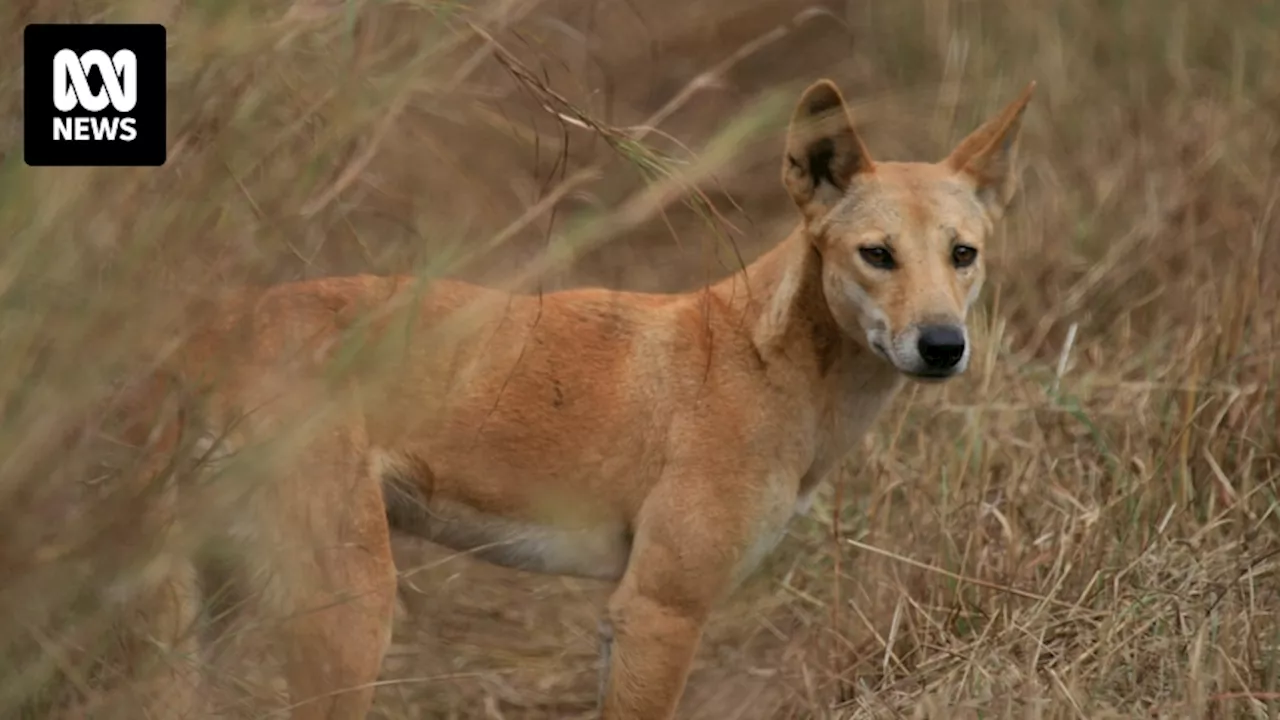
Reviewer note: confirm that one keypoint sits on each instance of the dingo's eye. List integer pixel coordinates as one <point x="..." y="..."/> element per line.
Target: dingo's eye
<point x="877" y="256"/>
<point x="963" y="255"/>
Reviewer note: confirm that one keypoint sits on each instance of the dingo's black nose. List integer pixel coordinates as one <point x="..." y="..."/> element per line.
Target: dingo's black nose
<point x="941" y="346"/>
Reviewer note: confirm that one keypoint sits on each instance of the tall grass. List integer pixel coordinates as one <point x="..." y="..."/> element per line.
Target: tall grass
<point x="1084" y="526"/>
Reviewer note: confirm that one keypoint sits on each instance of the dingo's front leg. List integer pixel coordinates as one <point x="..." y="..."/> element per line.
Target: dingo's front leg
<point x="651" y="656"/>
<point x="690" y="544"/>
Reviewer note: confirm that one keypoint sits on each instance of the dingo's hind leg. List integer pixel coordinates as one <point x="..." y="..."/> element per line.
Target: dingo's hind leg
<point x="332" y="589"/>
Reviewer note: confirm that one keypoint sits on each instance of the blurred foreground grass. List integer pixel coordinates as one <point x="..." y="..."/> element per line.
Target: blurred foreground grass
<point x="1084" y="526"/>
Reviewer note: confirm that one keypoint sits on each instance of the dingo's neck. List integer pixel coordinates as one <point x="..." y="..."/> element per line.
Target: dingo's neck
<point x="782" y="304"/>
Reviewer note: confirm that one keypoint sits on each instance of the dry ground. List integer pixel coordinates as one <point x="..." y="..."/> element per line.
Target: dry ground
<point x="1084" y="526"/>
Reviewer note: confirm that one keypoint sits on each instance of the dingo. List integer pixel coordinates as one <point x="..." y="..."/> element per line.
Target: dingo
<point x="662" y="441"/>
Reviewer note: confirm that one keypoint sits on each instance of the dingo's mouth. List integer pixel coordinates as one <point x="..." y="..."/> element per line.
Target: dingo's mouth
<point x="932" y="376"/>
<point x="925" y="375"/>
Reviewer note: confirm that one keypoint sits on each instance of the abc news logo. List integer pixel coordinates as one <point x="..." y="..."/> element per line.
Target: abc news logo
<point x="94" y="95"/>
<point x="71" y="90"/>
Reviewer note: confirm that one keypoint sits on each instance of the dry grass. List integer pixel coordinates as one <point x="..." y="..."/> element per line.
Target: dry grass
<point x="1084" y="526"/>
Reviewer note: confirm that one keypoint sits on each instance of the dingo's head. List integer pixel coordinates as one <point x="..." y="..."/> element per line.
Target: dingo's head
<point x="901" y="243"/>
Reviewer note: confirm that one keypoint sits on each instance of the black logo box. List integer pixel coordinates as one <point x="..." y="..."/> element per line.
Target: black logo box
<point x="148" y="43"/>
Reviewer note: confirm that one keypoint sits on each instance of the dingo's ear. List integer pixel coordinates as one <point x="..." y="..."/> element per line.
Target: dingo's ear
<point x="823" y="152"/>
<point x="987" y="156"/>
